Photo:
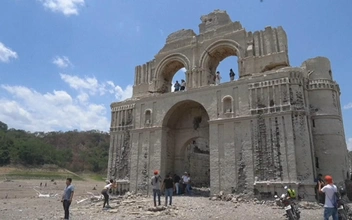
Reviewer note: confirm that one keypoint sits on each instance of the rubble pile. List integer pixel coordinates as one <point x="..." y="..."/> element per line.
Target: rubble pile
<point x="250" y="199"/>
<point x="309" y="205"/>
<point x="130" y="204"/>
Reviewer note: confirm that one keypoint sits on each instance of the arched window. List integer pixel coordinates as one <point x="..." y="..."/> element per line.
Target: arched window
<point x="227" y="104"/>
<point x="148" y="114"/>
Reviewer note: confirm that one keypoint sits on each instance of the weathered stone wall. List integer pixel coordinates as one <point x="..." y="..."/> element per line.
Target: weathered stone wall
<point x="275" y="126"/>
<point x="218" y="38"/>
<point x="122" y="121"/>
<point x="327" y="127"/>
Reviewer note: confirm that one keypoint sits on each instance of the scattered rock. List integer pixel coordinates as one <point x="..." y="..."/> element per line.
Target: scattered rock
<point x="157" y="209"/>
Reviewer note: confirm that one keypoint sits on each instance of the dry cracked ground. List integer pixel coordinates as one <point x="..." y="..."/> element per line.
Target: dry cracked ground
<point x="19" y="200"/>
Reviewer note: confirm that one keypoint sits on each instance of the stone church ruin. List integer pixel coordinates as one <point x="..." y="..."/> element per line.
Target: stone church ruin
<point x="276" y="125"/>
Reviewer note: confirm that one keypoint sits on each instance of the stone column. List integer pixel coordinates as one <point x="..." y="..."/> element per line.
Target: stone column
<point x="214" y="159"/>
<point x="110" y="165"/>
<point x="135" y="151"/>
<point x="155" y="152"/>
<point x="287" y="131"/>
<point x="229" y="161"/>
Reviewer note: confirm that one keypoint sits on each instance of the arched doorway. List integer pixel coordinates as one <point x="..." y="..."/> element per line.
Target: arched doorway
<point x="214" y="54"/>
<point x="187" y="142"/>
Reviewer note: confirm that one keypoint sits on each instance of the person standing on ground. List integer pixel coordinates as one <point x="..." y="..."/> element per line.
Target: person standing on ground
<point x="319" y="195"/>
<point x="184" y="182"/>
<point x="330" y="191"/>
<point x="67" y="197"/>
<point x="177" y="184"/>
<point x="105" y="193"/>
<point x="156" y="180"/>
<point x="188" y="186"/>
<point x="168" y="187"/>
<point x="232" y="75"/>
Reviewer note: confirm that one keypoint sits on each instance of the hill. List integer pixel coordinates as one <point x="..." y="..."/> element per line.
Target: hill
<point x="73" y="150"/>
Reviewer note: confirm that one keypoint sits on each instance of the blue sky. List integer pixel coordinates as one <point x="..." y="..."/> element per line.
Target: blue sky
<point x="62" y="62"/>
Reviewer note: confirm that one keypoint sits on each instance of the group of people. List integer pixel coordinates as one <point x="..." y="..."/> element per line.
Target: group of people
<point x="217" y="78"/>
<point x="69" y="192"/>
<point x="326" y="191"/>
<point x="180" y="87"/>
<point x="170" y="185"/>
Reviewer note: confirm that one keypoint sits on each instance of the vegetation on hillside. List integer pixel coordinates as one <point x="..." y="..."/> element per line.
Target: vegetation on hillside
<point x="73" y="150"/>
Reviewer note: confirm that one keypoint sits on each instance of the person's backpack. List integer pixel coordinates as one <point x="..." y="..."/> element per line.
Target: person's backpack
<point x="292" y="193"/>
<point x="336" y="202"/>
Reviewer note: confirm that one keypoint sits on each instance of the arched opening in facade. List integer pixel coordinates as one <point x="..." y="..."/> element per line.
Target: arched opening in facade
<point x="178" y="77"/>
<point x="171" y="69"/>
<point x="221" y="56"/>
<point x="227" y="104"/>
<point x="225" y="66"/>
<point x="148" y="114"/>
<point x="186" y="147"/>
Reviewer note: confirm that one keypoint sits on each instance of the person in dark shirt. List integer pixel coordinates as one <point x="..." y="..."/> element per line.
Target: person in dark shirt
<point x="168" y="187"/>
<point x="320" y="196"/>
<point x="232" y="75"/>
<point x="177" y="86"/>
<point x="177" y="179"/>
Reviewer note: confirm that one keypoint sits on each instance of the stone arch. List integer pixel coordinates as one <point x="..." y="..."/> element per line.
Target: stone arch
<point x="148" y="117"/>
<point x="185" y="122"/>
<point x="215" y="53"/>
<point x="227" y="104"/>
<point x="172" y="110"/>
<point x="167" y="68"/>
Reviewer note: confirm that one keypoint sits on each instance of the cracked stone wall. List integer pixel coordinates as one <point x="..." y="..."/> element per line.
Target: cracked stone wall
<point x="119" y="153"/>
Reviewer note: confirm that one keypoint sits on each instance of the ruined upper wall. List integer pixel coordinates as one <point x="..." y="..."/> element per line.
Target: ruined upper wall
<point x="180" y="35"/>
<point x="213" y="21"/>
<point x="318" y="68"/>
<point x="200" y="55"/>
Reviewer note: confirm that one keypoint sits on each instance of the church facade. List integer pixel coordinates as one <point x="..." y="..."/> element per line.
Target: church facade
<point x="276" y="125"/>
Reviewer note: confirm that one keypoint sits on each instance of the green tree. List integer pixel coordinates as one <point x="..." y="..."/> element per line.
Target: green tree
<point x="3" y="126"/>
<point x="6" y="145"/>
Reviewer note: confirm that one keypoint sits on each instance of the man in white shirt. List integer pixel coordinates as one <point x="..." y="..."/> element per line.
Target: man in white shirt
<point x="184" y="182"/>
<point x="330" y="190"/>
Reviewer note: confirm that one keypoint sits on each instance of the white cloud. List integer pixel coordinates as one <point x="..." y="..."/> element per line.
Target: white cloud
<point x="349" y="144"/>
<point x="88" y="84"/>
<point x="120" y="94"/>
<point x="183" y="69"/>
<point x="348" y="106"/>
<point x="67" y="7"/>
<point x="62" y="62"/>
<point x="92" y="86"/>
<point x="6" y="54"/>
<point x="31" y="110"/>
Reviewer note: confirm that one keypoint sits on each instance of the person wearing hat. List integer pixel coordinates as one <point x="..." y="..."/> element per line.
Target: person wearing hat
<point x="330" y="191"/>
<point x="156" y="181"/>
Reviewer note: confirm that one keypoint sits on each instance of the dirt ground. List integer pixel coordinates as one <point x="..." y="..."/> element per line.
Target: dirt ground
<point x="18" y="200"/>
